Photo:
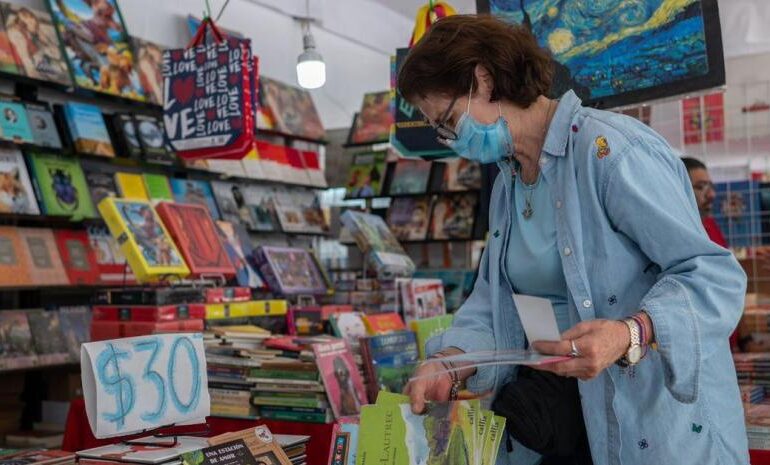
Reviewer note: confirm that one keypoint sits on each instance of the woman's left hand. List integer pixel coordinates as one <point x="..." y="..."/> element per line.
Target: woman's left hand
<point x="600" y="343"/>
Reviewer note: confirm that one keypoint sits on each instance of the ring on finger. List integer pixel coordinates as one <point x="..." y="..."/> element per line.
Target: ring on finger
<point x="574" y="353"/>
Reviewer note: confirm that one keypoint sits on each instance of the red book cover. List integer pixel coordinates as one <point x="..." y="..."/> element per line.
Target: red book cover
<point x="382" y="323"/>
<point x="106" y="330"/>
<point x="148" y="312"/>
<point x="195" y="234"/>
<point x="221" y="295"/>
<point x="343" y="383"/>
<point x="78" y="257"/>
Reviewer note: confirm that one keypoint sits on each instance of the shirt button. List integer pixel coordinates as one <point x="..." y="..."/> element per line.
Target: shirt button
<point x="587" y="303"/>
<point x="567" y="251"/>
<point x="558" y="204"/>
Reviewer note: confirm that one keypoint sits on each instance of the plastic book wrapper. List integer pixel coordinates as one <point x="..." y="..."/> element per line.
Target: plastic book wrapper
<point x="490" y="358"/>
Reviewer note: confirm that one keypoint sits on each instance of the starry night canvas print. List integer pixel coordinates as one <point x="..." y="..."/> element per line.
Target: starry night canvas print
<point x="621" y="52"/>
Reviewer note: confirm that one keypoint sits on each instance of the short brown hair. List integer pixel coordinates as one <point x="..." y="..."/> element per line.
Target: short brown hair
<point x="445" y="58"/>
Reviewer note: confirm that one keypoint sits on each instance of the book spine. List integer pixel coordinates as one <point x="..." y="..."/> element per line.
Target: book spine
<point x="294" y="416"/>
<point x="372" y="386"/>
<point x="284" y="374"/>
<point x="288" y="402"/>
<point x="36" y="187"/>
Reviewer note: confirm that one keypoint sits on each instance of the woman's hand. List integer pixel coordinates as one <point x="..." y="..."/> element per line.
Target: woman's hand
<point x="435" y="383"/>
<point x="600" y="343"/>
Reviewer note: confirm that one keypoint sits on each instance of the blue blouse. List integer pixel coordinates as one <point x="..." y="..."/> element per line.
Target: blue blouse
<point x="532" y="262"/>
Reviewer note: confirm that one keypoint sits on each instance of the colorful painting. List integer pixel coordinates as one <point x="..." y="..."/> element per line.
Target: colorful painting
<point x="291" y="109"/>
<point x="149" y="62"/>
<point x="620" y="52"/>
<point x="97" y="46"/>
<point x="35" y="44"/>
<point x="373" y="123"/>
<point x="143" y="223"/>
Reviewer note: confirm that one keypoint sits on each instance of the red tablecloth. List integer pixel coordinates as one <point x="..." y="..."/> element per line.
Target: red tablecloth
<point x="77" y="435"/>
<point x="760" y="457"/>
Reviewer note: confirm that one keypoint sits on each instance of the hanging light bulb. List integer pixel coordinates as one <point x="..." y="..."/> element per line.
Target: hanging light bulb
<point x="311" y="69"/>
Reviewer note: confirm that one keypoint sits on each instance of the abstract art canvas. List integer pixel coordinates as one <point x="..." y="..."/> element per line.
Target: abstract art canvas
<point x="619" y="52"/>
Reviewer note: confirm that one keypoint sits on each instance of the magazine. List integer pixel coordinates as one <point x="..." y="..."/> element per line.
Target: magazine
<point x="259" y="201"/>
<point x="410" y="177"/>
<point x="409" y="218"/>
<point x="195" y="191"/>
<point x="454" y="216"/>
<point x="461" y="174"/>
<point x="372" y="125"/>
<point x="16" y="193"/>
<point x="232" y="203"/>
<point x="422" y="298"/>
<point x="291" y="109"/>
<point x="366" y="175"/>
<point x="238" y="247"/>
<point x="36" y="46"/>
<point x="344" y="386"/>
<point x="382" y="249"/>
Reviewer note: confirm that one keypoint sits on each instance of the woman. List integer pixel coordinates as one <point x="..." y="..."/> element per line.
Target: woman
<point x="593" y="211"/>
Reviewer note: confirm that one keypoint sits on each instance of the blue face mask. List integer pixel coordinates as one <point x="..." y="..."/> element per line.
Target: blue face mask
<point x="484" y="143"/>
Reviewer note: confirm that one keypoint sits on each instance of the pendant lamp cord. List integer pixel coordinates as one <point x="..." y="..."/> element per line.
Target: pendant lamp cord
<point x="222" y="10"/>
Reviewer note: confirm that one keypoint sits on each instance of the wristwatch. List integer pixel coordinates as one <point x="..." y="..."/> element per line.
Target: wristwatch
<point x="634" y="353"/>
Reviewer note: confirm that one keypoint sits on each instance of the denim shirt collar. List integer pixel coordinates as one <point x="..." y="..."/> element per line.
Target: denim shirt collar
<point x="558" y="132"/>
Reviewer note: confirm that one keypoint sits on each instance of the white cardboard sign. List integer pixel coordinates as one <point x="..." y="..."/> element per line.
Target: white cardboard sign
<point x="537" y="317"/>
<point x="140" y="383"/>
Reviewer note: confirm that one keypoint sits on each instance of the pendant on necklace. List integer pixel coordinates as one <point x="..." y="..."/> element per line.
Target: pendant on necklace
<point x="528" y="211"/>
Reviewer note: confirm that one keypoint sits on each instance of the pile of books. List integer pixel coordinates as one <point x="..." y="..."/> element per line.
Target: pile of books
<point x="290" y="387"/>
<point x="390" y="433"/>
<point x="758" y="426"/>
<point x="36" y="457"/>
<point x="231" y="353"/>
<point x="753" y="368"/>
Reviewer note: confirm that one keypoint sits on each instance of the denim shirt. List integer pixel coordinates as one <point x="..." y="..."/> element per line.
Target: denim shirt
<point x="630" y="239"/>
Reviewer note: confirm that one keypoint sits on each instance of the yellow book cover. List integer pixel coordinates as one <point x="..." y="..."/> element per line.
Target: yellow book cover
<point x="131" y="186"/>
<point x="148" y="248"/>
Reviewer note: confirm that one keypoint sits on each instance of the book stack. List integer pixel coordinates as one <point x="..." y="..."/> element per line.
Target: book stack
<point x="230" y="357"/>
<point x="233" y="309"/>
<point x="116" y="321"/>
<point x="753" y="368"/>
<point x="368" y="295"/>
<point x="421" y="298"/>
<point x="758" y="426"/>
<point x="446" y="431"/>
<point x="290" y="387"/>
<point x="752" y="393"/>
<point x="143" y="451"/>
<point x="36" y="457"/>
<point x="382" y="250"/>
<point x="294" y="446"/>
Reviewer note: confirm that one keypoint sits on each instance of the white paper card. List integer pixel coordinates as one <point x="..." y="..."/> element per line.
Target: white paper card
<point x="537" y="318"/>
<point x="140" y="383"/>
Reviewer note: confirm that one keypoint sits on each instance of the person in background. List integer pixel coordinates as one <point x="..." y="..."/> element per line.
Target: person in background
<point x="704" y="197"/>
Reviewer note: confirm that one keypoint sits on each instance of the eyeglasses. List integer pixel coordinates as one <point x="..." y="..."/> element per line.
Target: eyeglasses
<point x="444" y="131"/>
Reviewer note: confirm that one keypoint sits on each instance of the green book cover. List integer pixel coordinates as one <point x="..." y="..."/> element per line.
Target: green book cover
<point x="493" y="439"/>
<point x="61" y="185"/>
<point x="392" y="434"/>
<point x="428" y="328"/>
<point x="288" y="402"/>
<point x="158" y="187"/>
<point x="391" y="398"/>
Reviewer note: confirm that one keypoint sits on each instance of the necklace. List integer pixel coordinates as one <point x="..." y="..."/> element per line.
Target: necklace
<point x="528" y="193"/>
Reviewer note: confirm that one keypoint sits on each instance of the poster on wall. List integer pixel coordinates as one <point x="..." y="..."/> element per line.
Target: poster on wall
<point x="615" y="52"/>
<point x="97" y="46"/>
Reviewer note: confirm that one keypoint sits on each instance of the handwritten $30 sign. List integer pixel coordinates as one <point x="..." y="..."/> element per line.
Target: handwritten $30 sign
<point x="140" y="383"/>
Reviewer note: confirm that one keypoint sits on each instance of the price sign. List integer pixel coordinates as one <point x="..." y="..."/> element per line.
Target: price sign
<point x="140" y="383"/>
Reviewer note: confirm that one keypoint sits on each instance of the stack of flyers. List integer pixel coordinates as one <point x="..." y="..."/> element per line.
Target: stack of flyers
<point x="390" y="433"/>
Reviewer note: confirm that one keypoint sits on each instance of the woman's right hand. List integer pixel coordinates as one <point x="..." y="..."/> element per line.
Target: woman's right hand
<point x="434" y="384"/>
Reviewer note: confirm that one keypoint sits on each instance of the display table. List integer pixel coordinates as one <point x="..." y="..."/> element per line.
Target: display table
<point x="760" y="457"/>
<point x="77" y="435"/>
